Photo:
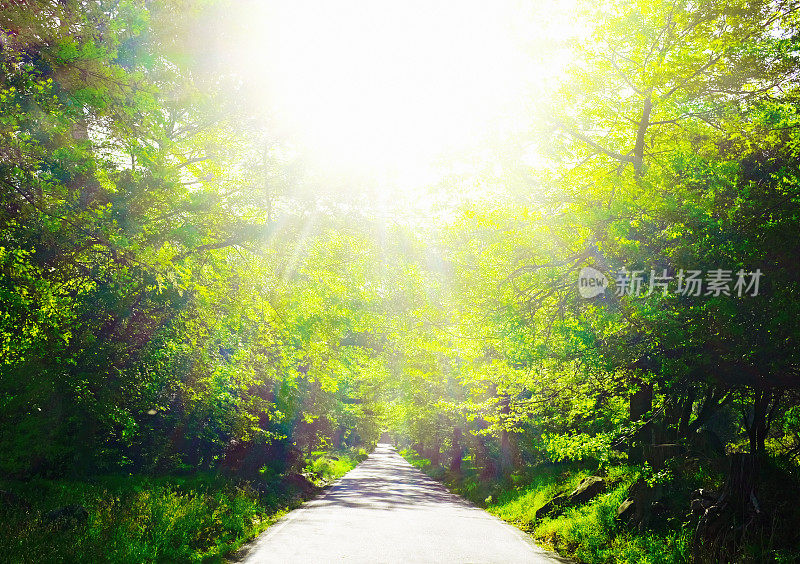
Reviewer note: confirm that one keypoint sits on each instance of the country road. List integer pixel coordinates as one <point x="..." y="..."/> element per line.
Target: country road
<point x="385" y="510"/>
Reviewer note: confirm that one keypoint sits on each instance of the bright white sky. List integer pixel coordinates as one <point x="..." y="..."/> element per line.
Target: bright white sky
<point x="395" y="89"/>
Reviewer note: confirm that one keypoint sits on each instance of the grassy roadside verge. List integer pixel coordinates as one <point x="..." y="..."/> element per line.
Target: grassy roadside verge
<point x="201" y="517"/>
<point x="588" y="533"/>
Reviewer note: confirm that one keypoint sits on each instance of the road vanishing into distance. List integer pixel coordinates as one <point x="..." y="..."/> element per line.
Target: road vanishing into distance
<point x="385" y="510"/>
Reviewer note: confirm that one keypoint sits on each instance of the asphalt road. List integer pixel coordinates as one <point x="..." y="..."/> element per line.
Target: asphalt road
<point x="385" y="510"/>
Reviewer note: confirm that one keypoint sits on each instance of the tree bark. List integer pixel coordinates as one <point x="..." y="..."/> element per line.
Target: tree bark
<point x="640" y="403"/>
<point x="644" y="123"/>
<point x="686" y="414"/>
<point x="457" y="453"/>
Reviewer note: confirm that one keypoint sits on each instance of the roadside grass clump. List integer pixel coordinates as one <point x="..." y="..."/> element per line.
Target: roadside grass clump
<point x="589" y="533"/>
<point x="519" y="505"/>
<point x="415" y="459"/>
<point x="134" y="519"/>
<point x="326" y="468"/>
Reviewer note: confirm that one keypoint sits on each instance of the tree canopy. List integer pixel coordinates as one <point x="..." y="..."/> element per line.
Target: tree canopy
<point x="182" y="288"/>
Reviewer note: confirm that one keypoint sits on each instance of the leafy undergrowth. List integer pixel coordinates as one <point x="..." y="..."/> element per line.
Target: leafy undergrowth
<point x="588" y="533"/>
<point x="144" y="519"/>
<point x="325" y="468"/>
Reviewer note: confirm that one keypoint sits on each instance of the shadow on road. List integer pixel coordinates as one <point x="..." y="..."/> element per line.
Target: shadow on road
<point x="387" y="511"/>
<point x="383" y="482"/>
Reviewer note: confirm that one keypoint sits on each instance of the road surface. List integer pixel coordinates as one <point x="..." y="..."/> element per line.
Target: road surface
<point x="385" y="510"/>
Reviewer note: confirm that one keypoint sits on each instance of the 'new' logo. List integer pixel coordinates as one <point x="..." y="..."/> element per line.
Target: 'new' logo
<point x="591" y="282"/>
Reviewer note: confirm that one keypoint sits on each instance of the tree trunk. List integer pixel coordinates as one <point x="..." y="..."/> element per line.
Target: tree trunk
<point x="686" y="414"/>
<point x="644" y="123"/>
<point x="436" y="451"/>
<point x="765" y="402"/>
<point x="640" y="403"/>
<point x="458" y="452"/>
<point x="756" y="430"/>
<point x="506" y="456"/>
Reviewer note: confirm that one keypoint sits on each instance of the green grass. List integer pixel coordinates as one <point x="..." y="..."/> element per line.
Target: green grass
<point x="135" y="519"/>
<point x="519" y="505"/>
<point x="591" y="534"/>
<point x="141" y="519"/>
<point x="325" y="468"/>
<point x="587" y="533"/>
<point x="415" y="459"/>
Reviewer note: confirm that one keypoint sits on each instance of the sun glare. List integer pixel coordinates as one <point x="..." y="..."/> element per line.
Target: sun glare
<point x="394" y="87"/>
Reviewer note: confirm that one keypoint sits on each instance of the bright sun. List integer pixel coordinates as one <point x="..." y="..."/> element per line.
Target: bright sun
<point x="393" y="86"/>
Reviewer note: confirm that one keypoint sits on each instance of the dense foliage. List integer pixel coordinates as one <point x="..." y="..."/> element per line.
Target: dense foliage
<point x="136" y="334"/>
<point x="178" y="293"/>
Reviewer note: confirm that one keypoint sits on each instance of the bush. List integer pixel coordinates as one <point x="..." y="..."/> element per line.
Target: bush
<point x="590" y="532"/>
<point x="325" y="468"/>
<point x="134" y="519"/>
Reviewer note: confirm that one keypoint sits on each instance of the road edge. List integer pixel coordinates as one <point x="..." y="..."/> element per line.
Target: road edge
<point x="243" y="552"/>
